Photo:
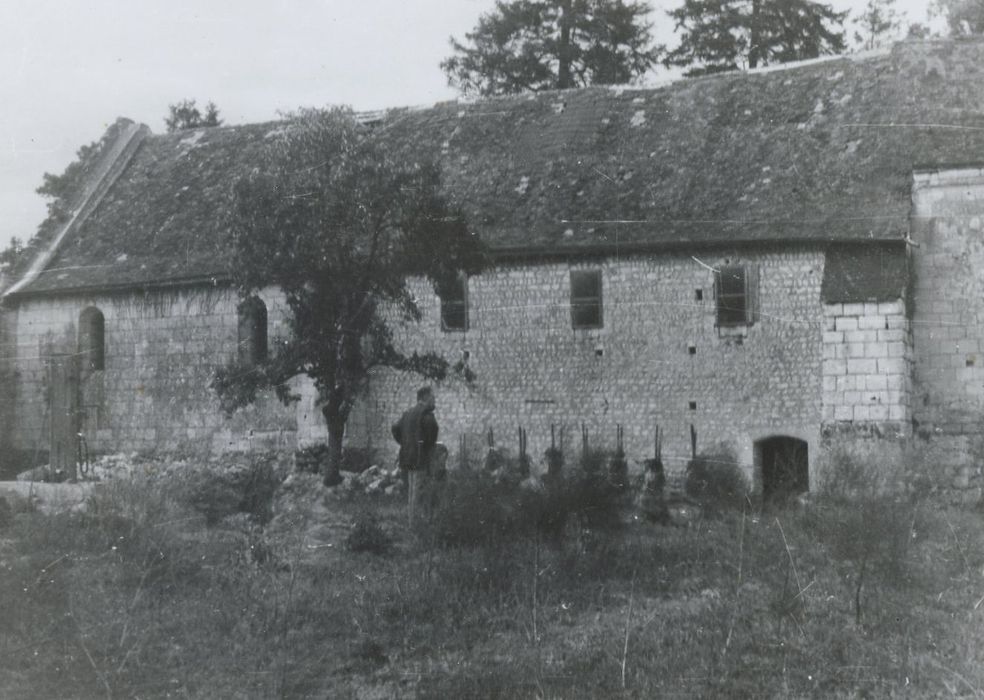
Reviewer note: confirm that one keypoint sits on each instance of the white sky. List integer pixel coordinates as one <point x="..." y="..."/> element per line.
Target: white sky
<point x="68" y="69"/>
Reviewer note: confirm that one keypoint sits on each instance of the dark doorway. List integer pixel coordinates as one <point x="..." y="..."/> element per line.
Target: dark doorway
<point x="785" y="467"/>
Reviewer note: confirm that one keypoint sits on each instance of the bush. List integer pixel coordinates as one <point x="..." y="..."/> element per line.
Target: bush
<point x="219" y="490"/>
<point x="716" y="480"/>
<point x="476" y="509"/>
<point x="6" y="513"/>
<point x="367" y="535"/>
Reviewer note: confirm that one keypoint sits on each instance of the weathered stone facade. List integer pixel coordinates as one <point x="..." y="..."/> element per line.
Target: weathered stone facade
<point x="161" y="350"/>
<point x="659" y="359"/>
<point x="948" y="320"/>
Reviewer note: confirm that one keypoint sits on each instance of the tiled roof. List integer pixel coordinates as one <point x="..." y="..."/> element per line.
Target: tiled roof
<point x="817" y="152"/>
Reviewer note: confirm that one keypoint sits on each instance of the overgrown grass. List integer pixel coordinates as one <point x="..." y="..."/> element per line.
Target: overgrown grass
<point x="139" y="597"/>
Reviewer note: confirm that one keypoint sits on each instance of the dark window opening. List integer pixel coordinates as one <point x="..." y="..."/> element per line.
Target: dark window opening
<point x="692" y="349"/>
<point x="736" y="294"/>
<point x="699" y="294"/>
<point x="693" y="405"/>
<point x="785" y="468"/>
<point x="92" y="339"/>
<point x="586" y="301"/>
<point x="454" y="305"/>
<point x="252" y="331"/>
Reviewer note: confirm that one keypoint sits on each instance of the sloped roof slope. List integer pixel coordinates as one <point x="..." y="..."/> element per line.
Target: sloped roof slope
<point x="822" y="151"/>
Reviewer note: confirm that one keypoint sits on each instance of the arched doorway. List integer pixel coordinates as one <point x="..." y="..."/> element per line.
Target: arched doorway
<point x="784" y="463"/>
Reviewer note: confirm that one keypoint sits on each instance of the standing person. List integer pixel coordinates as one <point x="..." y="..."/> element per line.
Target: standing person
<point x="416" y="432"/>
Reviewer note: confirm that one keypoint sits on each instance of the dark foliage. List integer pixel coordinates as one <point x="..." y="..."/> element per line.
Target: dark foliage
<point x="367" y="535"/>
<point x="222" y="490"/>
<point x="339" y="224"/>
<point x="185" y="115"/>
<point x="716" y="480"/>
<point x="725" y="35"/>
<point x="963" y="17"/>
<point x="547" y="44"/>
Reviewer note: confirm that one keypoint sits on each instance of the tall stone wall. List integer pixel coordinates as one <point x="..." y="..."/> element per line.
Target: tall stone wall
<point x="659" y="360"/>
<point x="948" y="320"/>
<point x="161" y="350"/>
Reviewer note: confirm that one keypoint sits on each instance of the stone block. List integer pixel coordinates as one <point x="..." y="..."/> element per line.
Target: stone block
<point x="833" y="309"/>
<point x="892" y="335"/>
<point x="878" y="412"/>
<point x="876" y="382"/>
<point x="889" y="308"/>
<point x="843" y="413"/>
<point x="896" y="412"/>
<point x="856" y="366"/>
<point x="846" y="323"/>
<point x="872" y="323"/>
<point x="833" y="337"/>
<point x="876" y="349"/>
<point x="856" y="309"/>
<point x="868" y="336"/>
<point x="894" y="365"/>
<point x="833" y="367"/>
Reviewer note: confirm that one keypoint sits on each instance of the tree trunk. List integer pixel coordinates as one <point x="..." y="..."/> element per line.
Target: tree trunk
<point x="336" y="431"/>
<point x="755" y="38"/>
<point x="564" y="49"/>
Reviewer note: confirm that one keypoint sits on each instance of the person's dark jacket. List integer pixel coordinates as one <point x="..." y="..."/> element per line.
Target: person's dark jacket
<point x="416" y="431"/>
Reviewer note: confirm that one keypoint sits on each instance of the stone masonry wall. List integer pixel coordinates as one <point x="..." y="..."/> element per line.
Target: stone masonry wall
<point x="658" y="360"/>
<point x="161" y="350"/>
<point x="948" y="321"/>
<point x="867" y="366"/>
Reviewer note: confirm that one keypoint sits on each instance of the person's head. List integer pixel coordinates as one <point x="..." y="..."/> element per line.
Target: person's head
<point x="425" y="395"/>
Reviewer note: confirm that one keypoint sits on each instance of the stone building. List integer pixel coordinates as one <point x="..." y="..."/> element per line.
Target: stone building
<point x="777" y="258"/>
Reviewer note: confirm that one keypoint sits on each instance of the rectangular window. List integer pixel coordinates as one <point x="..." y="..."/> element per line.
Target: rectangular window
<point x="454" y="305"/>
<point x="736" y="288"/>
<point x="586" y="304"/>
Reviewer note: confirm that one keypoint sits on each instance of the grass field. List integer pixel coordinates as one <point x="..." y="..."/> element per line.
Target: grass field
<point x="139" y="598"/>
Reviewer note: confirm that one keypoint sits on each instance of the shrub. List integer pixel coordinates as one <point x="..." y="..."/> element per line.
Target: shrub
<point x="219" y="490"/>
<point x="6" y="513"/>
<point x="716" y="480"/>
<point x="475" y="509"/>
<point x="367" y="535"/>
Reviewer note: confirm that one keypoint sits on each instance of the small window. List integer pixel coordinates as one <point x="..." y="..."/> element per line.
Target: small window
<point x="92" y="339"/>
<point x="736" y="287"/>
<point x="586" y="303"/>
<point x="454" y="304"/>
<point x="252" y="331"/>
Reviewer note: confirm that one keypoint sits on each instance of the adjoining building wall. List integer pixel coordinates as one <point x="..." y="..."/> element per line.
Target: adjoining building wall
<point x="948" y="321"/>
<point x="161" y="351"/>
<point x="659" y="359"/>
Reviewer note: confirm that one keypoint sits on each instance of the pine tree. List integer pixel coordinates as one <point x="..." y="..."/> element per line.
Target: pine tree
<point x="723" y="35"/>
<point x="544" y="44"/>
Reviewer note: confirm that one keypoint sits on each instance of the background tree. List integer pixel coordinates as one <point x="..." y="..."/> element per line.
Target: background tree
<point x="545" y="44"/>
<point x="878" y="22"/>
<point x="963" y="17"/>
<point x="185" y="115"/>
<point x="338" y="223"/>
<point x="724" y="35"/>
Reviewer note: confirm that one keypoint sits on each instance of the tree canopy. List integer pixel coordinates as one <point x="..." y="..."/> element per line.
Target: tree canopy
<point x="963" y="17"/>
<point x="185" y="115"/>
<point x="533" y="45"/>
<point x="878" y="22"/>
<point x="723" y="35"/>
<point x="339" y="224"/>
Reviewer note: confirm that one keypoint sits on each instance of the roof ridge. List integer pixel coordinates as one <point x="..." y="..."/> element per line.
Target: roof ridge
<point x="112" y="165"/>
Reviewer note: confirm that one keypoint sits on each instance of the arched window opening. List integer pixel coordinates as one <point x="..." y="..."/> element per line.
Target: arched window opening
<point x="252" y="331"/>
<point x="92" y="339"/>
<point x="784" y="462"/>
